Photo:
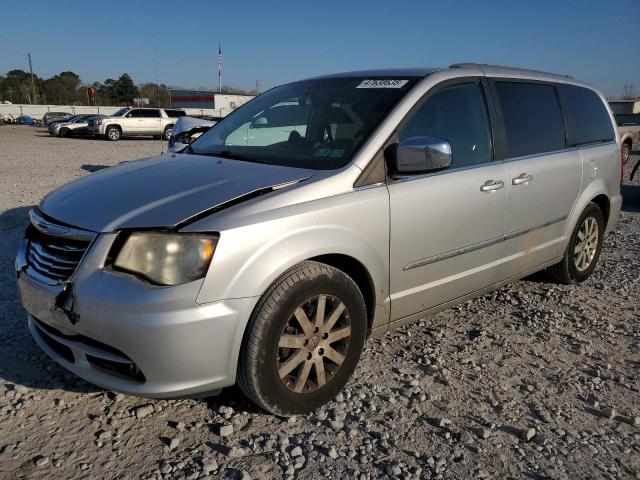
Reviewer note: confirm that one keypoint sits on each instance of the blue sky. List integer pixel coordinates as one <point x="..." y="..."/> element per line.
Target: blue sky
<point x="276" y="42"/>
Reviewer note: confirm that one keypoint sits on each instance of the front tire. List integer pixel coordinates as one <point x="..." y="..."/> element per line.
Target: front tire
<point x="582" y="253"/>
<point x="167" y="133"/>
<point x="303" y="340"/>
<point x="113" y="133"/>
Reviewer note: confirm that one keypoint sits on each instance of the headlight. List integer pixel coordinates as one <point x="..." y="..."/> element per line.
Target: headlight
<point x="97" y="122"/>
<point x="166" y="258"/>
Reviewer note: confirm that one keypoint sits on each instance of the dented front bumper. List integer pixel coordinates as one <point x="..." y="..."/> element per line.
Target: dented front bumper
<point x="119" y="332"/>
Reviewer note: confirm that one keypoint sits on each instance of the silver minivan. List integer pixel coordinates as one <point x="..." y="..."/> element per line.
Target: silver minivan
<point x="320" y="213"/>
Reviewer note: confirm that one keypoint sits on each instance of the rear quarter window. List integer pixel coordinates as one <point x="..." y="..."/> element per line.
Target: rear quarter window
<point x="532" y="118"/>
<point x="587" y="118"/>
<point x="175" y="113"/>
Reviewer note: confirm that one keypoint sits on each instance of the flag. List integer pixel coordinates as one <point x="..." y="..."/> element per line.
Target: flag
<point x="219" y="68"/>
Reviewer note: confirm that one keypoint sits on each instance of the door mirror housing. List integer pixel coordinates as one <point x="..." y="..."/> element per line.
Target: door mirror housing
<point x="260" y="122"/>
<point x="419" y="155"/>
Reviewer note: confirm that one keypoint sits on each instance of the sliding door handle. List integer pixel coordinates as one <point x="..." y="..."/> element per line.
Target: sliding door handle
<point x="491" y="186"/>
<point x="522" y="179"/>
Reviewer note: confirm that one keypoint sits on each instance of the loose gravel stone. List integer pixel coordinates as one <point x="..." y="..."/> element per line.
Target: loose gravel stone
<point x="143" y="411"/>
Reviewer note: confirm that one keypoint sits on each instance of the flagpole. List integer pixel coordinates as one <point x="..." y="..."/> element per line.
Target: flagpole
<point x="219" y="69"/>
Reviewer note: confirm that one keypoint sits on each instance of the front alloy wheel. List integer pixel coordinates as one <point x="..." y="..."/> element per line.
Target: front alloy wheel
<point x="303" y="340"/>
<point x="316" y="338"/>
<point x="113" y="133"/>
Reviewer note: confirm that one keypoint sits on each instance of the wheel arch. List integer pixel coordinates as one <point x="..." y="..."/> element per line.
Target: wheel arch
<point x="354" y="269"/>
<point x="252" y="272"/>
<point x="595" y="192"/>
<point x="605" y="206"/>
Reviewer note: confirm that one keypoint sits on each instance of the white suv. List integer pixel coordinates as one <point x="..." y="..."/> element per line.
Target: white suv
<point x="154" y="122"/>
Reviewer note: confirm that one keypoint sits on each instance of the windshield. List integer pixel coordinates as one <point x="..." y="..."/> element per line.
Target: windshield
<point x="120" y="112"/>
<point x="317" y="124"/>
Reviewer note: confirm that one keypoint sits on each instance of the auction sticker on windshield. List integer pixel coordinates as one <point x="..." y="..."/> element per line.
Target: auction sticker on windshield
<point x="382" y="83"/>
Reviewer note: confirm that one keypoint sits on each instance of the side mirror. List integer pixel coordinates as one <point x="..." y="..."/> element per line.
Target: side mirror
<point x="419" y="155"/>
<point x="260" y="122"/>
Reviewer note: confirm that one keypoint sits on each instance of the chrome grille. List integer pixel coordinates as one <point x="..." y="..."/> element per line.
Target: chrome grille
<point x="52" y="256"/>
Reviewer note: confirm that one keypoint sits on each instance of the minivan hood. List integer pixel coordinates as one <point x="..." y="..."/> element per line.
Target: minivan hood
<point x="160" y="192"/>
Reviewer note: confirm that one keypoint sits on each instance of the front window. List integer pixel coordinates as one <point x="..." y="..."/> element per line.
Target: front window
<point x="317" y="124"/>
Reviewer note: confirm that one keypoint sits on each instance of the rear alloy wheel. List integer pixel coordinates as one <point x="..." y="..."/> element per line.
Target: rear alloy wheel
<point x="582" y="253"/>
<point x="626" y="153"/>
<point x="586" y="245"/>
<point x="113" y="133"/>
<point x="303" y="340"/>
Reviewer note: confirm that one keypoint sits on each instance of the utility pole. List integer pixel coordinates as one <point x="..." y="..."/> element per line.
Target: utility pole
<point x="33" y="84"/>
<point x="257" y="87"/>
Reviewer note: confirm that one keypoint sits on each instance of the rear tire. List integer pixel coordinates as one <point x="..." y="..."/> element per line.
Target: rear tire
<point x="583" y="251"/>
<point x="113" y="133"/>
<point x="626" y="153"/>
<point x="323" y="345"/>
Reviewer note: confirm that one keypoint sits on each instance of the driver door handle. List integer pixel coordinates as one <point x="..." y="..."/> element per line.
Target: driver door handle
<point x="522" y="179"/>
<point x="491" y="186"/>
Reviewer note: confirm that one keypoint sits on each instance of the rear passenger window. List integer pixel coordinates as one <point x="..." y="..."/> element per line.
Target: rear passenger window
<point x="456" y="114"/>
<point x="175" y="113"/>
<point x="587" y="118"/>
<point x="532" y="118"/>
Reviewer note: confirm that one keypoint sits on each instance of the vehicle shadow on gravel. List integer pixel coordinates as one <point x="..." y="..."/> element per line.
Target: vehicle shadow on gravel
<point x="234" y="398"/>
<point x="22" y="362"/>
<point x="630" y="198"/>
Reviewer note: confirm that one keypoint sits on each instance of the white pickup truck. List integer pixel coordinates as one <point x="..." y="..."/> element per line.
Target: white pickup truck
<point x="155" y="122"/>
<point x="629" y="131"/>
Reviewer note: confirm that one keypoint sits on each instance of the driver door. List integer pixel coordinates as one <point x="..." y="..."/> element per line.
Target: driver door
<point x="447" y="227"/>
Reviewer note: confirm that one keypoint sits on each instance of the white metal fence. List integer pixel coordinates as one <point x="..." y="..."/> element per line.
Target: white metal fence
<point x="38" y="111"/>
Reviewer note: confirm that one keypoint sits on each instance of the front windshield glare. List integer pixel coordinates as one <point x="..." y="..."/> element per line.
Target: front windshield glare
<point x="120" y="112"/>
<point x="316" y="124"/>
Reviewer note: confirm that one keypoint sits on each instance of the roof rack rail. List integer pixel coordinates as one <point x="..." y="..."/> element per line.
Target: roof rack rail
<point x="524" y="70"/>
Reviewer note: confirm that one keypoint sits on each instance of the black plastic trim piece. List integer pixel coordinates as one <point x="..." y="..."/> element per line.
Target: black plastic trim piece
<point x="477" y="246"/>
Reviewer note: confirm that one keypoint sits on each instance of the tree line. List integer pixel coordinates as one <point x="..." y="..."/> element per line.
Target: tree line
<point x="67" y="88"/>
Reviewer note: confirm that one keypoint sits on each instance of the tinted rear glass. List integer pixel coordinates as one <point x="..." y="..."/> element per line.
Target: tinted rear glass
<point x="532" y="118"/>
<point x="175" y="113"/>
<point x="587" y="118"/>
<point x="628" y="119"/>
<point x="145" y="113"/>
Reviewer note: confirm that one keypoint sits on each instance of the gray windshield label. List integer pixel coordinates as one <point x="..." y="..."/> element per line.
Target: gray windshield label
<point x="382" y="84"/>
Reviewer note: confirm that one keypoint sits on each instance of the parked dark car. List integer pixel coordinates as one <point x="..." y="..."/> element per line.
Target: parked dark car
<point x="51" y="116"/>
<point x="80" y="128"/>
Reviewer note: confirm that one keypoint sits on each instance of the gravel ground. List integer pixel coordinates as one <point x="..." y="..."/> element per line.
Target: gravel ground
<point x="533" y="381"/>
